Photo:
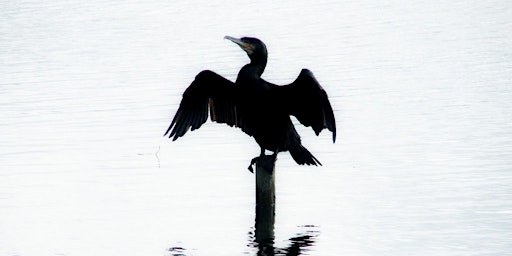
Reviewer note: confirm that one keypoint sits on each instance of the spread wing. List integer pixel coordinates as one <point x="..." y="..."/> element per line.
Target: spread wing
<point x="208" y="91"/>
<point x="308" y="102"/>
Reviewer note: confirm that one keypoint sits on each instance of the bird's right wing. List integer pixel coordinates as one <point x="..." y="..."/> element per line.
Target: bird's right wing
<point x="308" y="102"/>
<point x="208" y="91"/>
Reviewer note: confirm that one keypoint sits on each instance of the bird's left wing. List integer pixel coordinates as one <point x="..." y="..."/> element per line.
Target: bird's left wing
<point x="208" y="90"/>
<point x="308" y="102"/>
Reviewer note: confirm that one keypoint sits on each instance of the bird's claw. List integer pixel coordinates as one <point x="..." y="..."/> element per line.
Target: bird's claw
<point x="268" y="163"/>
<point x="253" y="162"/>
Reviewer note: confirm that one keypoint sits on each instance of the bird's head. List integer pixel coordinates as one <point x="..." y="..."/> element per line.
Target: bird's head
<point x="254" y="47"/>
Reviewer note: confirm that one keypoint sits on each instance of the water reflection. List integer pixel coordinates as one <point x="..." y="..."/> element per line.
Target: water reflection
<point x="298" y="244"/>
<point x="177" y="251"/>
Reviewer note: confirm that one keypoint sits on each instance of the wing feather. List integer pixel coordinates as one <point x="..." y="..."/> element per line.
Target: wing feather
<point x="208" y="91"/>
<point x="308" y="102"/>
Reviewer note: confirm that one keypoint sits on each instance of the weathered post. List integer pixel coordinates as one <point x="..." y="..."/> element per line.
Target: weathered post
<point x="265" y="200"/>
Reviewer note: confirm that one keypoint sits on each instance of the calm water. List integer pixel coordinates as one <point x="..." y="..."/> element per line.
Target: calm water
<point x="422" y="95"/>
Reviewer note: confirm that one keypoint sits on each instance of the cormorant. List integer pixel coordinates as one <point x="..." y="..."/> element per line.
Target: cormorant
<point x="261" y="109"/>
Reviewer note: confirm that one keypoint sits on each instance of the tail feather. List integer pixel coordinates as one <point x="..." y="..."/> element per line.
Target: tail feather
<point x="302" y="156"/>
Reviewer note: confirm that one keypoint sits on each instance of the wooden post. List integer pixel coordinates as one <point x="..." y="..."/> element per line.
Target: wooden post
<point x="265" y="200"/>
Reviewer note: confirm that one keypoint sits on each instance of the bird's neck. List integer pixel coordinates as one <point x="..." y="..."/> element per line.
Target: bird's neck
<point x="259" y="62"/>
<point x="255" y="68"/>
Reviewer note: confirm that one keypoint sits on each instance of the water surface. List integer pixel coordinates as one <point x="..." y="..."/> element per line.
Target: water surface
<point x="421" y="92"/>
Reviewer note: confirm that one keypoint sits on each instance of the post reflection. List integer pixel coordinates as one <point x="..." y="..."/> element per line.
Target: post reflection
<point x="302" y="242"/>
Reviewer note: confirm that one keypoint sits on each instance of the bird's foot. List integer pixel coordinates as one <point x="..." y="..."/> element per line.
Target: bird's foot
<point x="253" y="162"/>
<point x="266" y="161"/>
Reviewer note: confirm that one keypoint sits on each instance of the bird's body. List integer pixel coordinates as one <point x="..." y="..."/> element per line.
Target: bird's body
<point x="259" y="108"/>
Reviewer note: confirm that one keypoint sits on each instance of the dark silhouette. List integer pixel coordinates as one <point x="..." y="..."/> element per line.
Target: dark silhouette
<point x="261" y="109"/>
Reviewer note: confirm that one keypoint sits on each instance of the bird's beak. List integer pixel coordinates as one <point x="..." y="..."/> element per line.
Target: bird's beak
<point x="249" y="48"/>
